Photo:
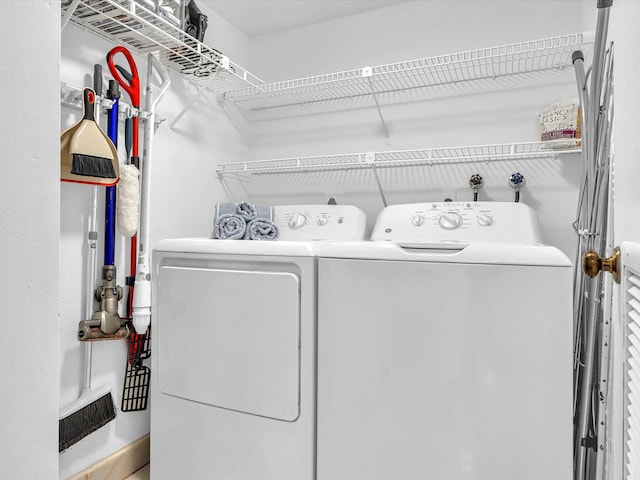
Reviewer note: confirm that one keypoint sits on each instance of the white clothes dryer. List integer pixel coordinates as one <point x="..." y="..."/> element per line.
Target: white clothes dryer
<point x="233" y="392"/>
<point x="445" y="348"/>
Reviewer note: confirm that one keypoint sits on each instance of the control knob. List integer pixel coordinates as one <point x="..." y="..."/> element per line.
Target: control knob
<point x="297" y="221"/>
<point x="450" y="220"/>
<point x="322" y="220"/>
<point x="417" y="220"/>
<point x="485" y="220"/>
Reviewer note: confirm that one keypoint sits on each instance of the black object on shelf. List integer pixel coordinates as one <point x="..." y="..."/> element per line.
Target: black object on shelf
<point x="195" y="22"/>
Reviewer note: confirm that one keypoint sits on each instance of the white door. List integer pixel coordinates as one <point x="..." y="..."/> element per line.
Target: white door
<point x="622" y="460"/>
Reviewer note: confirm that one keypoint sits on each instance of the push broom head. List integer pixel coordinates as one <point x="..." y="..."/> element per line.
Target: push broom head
<point x="87" y="155"/>
<point x="93" y="410"/>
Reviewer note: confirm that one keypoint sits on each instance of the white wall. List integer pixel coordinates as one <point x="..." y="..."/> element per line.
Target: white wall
<point x="467" y="115"/>
<point x="624" y="34"/>
<point x="29" y="174"/>
<point x="184" y="191"/>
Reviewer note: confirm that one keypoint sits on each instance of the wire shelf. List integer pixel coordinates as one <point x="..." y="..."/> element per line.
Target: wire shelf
<point x="547" y="54"/>
<point x="405" y="158"/>
<point x="126" y="22"/>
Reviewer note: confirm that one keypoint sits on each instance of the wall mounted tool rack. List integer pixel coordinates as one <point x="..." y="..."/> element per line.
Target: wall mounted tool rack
<point x="128" y="23"/>
<point x="259" y="177"/>
<point x="71" y="97"/>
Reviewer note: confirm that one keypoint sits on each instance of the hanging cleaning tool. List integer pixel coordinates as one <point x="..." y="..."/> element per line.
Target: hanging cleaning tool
<point x="476" y="182"/>
<point x="142" y="291"/>
<point x="94" y="408"/>
<point x="137" y="379"/>
<point x="128" y="214"/>
<point x="87" y="155"/>
<point x="128" y="221"/>
<point x="128" y="204"/>
<point x="516" y="180"/>
<point x="106" y="322"/>
<point x="129" y="188"/>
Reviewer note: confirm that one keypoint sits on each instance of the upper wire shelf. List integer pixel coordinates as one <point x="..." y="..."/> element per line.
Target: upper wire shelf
<point x="127" y="22"/>
<point x="553" y="53"/>
<point x="404" y="158"/>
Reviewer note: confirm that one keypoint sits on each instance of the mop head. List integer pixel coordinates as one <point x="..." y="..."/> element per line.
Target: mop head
<point x="128" y="204"/>
<point x="86" y="420"/>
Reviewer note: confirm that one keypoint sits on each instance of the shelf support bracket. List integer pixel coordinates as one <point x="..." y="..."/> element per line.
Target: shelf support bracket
<point x="370" y="158"/>
<point x="69" y="13"/>
<point x="235" y="117"/>
<point x="367" y="72"/>
<point x="187" y="107"/>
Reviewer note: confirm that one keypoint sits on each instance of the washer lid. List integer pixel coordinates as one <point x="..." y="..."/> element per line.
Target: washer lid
<point x="241" y="247"/>
<point x="449" y="252"/>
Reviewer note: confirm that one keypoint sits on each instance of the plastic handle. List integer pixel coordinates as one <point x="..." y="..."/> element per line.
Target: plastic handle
<point x="132" y="87"/>
<point x="128" y="135"/>
<point x="97" y="79"/>
<point x="88" y="104"/>
<point x="123" y="71"/>
<point x="605" y="3"/>
<point x="577" y="55"/>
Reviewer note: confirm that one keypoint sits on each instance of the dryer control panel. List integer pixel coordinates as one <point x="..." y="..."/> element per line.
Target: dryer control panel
<point x="320" y="222"/>
<point x="458" y="222"/>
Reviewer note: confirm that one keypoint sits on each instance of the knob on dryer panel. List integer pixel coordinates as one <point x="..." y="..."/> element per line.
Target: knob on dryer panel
<point x="468" y="222"/>
<point x="320" y="222"/>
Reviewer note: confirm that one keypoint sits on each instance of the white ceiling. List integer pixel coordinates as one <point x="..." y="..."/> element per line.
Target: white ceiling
<point x="260" y="17"/>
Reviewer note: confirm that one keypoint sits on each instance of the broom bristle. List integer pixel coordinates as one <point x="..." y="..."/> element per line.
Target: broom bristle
<point x="87" y="420"/>
<point x="91" y="166"/>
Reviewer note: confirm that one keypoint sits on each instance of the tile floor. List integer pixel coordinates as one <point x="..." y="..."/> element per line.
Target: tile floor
<point x="142" y="474"/>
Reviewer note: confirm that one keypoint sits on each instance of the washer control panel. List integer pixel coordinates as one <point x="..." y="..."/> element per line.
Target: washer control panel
<point x="460" y="222"/>
<point x="320" y="222"/>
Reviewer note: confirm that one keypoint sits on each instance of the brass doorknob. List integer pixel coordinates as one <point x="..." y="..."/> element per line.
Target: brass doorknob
<point x="592" y="264"/>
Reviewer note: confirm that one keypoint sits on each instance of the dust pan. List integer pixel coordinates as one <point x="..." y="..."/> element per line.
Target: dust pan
<point x="87" y="155"/>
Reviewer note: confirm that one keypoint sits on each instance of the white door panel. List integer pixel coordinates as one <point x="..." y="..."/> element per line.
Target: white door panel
<point x="230" y="338"/>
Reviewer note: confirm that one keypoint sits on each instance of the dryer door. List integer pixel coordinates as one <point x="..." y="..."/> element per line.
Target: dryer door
<point x="230" y="338"/>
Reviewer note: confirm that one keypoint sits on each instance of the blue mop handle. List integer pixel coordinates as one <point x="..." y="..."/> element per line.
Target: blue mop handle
<point x="110" y="199"/>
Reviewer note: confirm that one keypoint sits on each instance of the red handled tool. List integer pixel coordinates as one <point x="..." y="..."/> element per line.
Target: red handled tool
<point x="129" y="80"/>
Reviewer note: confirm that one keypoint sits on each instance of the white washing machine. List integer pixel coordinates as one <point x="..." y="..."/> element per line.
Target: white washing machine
<point x="445" y="349"/>
<point x="233" y="393"/>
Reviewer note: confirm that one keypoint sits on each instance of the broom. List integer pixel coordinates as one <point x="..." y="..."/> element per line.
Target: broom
<point x="94" y="408"/>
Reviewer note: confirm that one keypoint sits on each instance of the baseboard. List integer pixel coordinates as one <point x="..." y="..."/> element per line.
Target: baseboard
<point x="119" y="465"/>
